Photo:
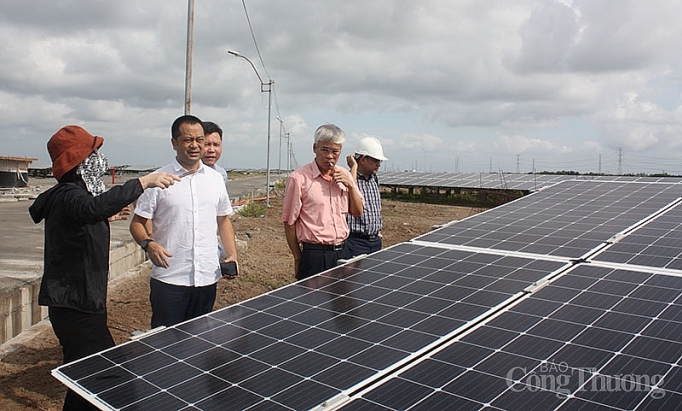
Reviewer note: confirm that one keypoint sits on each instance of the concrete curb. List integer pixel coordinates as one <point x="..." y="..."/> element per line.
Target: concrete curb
<point x="20" y="310"/>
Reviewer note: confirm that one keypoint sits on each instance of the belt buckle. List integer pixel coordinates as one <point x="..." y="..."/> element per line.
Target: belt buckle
<point x="338" y="247"/>
<point x="372" y="237"/>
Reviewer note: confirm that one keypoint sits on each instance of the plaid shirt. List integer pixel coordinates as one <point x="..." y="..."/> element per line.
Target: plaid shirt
<point x="370" y="221"/>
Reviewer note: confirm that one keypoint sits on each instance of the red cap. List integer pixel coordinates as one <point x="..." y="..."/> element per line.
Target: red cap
<point x="69" y="146"/>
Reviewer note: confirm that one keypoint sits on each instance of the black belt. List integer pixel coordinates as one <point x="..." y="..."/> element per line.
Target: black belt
<point x="324" y="247"/>
<point x="370" y="237"/>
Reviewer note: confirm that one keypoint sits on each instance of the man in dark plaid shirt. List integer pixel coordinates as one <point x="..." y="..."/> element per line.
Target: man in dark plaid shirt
<point x="365" y="231"/>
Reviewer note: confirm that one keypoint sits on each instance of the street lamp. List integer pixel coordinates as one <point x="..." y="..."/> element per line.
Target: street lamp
<point x="264" y="88"/>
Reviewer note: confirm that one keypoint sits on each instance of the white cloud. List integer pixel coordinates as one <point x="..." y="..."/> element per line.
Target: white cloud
<point x="518" y="144"/>
<point x="641" y="125"/>
<point x="485" y="80"/>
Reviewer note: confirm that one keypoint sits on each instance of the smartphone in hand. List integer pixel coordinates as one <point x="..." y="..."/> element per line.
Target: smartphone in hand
<point x="228" y="269"/>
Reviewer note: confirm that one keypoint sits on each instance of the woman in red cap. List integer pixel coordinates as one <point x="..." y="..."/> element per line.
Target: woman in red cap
<point x="76" y="267"/>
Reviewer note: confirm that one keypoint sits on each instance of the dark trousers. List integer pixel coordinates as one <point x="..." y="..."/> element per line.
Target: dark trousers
<point x="173" y="304"/>
<point x="317" y="258"/>
<point x="80" y="334"/>
<point x="362" y="245"/>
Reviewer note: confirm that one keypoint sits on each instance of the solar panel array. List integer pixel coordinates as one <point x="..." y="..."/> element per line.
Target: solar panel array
<point x="337" y="329"/>
<point x="530" y="182"/>
<point x="500" y="181"/>
<point x="596" y="338"/>
<point x="520" y="307"/>
<point x="568" y="220"/>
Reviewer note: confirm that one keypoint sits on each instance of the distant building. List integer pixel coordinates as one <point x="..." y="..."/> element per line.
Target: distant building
<point x="14" y="171"/>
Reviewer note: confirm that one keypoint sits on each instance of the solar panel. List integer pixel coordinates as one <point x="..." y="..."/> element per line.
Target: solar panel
<point x="298" y="346"/>
<point x="658" y="243"/>
<point x="595" y="338"/>
<point x="569" y="219"/>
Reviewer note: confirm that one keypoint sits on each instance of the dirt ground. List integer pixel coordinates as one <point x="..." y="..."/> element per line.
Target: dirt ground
<point x="265" y="264"/>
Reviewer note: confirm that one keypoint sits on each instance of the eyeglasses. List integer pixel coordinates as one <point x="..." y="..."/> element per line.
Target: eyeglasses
<point x="327" y="150"/>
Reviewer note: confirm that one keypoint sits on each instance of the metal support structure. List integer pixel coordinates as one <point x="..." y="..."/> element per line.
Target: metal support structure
<point x="288" y="154"/>
<point x="264" y="88"/>
<point x="282" y="130"/>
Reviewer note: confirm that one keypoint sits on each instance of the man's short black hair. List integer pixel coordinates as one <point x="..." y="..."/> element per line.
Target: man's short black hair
<point x="211" y="127"/>
<point x="186" y="119"/>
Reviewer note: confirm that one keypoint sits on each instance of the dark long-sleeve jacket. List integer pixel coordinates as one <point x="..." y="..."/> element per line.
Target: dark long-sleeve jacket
<point x="76" y="265"/>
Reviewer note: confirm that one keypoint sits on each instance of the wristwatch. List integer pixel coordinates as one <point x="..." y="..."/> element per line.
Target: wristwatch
<point x="145" y="243"/>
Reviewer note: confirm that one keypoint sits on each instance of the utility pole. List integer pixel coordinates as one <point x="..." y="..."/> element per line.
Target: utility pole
<point x="281" y="131"/>
<point x="188" y="57"/>
<point x="288" y="154"/>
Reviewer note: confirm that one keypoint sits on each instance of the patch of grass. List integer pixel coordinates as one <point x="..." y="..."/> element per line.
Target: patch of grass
<point x="235" y="175"/>
<point x="253" y="209"/>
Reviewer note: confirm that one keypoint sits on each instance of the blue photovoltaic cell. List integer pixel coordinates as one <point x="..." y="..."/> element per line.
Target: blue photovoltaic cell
<point x="568" y="219"/>
<point x="319" y="336"/>
<point x="556" y="350"/>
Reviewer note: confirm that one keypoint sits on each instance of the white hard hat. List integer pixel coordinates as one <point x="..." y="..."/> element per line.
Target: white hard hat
<point x="371" y="147"/>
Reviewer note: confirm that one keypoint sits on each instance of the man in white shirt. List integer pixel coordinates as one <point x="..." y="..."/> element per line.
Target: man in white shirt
<point x="184" y="222"/>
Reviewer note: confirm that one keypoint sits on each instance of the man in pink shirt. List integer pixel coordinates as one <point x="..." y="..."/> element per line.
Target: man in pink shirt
<point x="317" y="199"/>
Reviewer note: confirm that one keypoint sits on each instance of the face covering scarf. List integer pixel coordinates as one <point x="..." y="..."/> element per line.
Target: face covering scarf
<point x="91" y="171"/>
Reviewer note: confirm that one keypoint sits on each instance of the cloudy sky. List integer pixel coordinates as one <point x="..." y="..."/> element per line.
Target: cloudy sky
<point x="446" y="85"/>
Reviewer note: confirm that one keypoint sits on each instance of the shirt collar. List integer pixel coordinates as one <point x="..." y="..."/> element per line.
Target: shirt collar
<point x="315" y="169"/>
<point x="178" y="168"/>
<point x="362" y="176"/>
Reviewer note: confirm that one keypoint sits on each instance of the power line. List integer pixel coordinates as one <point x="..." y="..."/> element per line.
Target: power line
<point x="273" y="89"/>
<point x="253" y="36"/>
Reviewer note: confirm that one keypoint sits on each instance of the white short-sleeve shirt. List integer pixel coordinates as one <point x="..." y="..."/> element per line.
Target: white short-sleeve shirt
<point x="184" y="221"/>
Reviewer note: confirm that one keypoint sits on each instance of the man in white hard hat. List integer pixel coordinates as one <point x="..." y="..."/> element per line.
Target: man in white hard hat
<point x="365" y="231"/>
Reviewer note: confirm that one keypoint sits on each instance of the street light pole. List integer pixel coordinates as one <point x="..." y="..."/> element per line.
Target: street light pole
<point x="264" y="88"/>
